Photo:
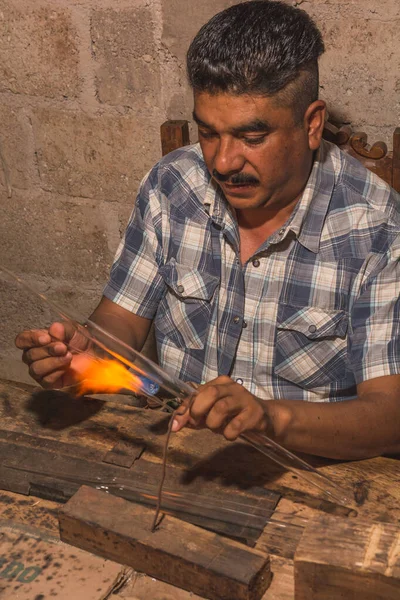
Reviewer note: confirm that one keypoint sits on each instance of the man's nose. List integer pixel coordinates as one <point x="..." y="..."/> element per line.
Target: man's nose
<point x="228" y="158"/>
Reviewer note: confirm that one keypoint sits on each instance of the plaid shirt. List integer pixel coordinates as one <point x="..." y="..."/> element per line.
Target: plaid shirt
<point x="314" y="311"/>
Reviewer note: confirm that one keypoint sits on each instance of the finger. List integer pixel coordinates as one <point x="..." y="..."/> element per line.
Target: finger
<point x="62" y="331"/>
<point x="53" y="380"/>
<point x="233" y="408"/>
<point x="180" y="421"/>
<point x="211" y="394"/>
<point x="182" y="416"/>
<point x="32" y="338"/>
<point x="206" y="397"/>
<point x="194" y="385"/>
<point x="236" y="426"/>
<point x="53" y="349"/>
<point x="43" y="368"/>
<point x="229" y="404"/>
<point x="220" y="413"/>
<point x="246" y="420"/>
<point x="68" y="333"/>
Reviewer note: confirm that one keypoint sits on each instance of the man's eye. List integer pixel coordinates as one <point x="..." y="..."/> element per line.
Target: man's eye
<point x="207" y="135"/>
<point x="253" y="141"/>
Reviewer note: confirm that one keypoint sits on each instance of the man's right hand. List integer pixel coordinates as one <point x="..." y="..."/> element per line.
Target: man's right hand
<point x="47" y="353"/>
<point x="54" y="355"/>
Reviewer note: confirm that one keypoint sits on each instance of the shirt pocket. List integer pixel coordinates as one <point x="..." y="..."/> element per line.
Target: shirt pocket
<point x="185" y="311"/>
<point x="311" y="345"/>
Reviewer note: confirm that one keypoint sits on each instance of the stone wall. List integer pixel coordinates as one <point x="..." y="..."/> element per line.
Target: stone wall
<point x="84" y="87"/>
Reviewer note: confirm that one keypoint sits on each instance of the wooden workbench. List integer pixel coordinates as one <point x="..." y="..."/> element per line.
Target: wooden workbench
<point x="205" y="458"/>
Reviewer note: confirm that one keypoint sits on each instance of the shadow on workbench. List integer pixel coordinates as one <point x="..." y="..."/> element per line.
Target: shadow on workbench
<point x="56" y="410"/>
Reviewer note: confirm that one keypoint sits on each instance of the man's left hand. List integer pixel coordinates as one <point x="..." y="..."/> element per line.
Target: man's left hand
<point x="224" y="407"/>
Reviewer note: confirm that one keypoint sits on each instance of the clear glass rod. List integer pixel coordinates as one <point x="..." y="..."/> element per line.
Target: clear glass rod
<point x="152" y="381"/>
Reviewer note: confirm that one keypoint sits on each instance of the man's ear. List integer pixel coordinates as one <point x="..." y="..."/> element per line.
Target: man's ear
<point x="314" y="120"/>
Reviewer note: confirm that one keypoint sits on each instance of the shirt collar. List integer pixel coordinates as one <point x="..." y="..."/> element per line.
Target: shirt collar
<point x="309" y="217"/>
<point x="217" y="207"/>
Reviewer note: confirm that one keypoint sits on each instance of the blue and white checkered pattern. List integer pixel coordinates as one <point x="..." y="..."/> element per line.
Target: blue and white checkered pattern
<point x="313" y="313"/>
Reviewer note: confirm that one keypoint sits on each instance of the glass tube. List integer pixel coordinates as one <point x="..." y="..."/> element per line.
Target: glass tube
<point x="299" y="467"/>
<point x="283" y="457"/>
<point x="156" y="383"/>
<point x="177" y="501"/>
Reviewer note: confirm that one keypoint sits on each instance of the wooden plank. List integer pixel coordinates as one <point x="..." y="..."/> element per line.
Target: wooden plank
<point x="348" y="559"/>
<point x="282" y="585"/>
<point x="124" y="454"/>
<point x="177" y="552"/>
<point x="279" y="540"/>
<point x="396" y="160"/>
<point x="174" y="135"/>
<point x="250" y="500"/>
<point x="58" y="469"/>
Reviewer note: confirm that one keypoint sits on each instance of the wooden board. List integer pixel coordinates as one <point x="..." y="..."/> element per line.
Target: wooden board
<point x="174" y="134"/>
<point x="348" y="559"/>
<point x="396" y="160"/>
<point x="177" y="552"/>
<point x="87" y="430"/>
<point x="203" y="457"/>
<point x="58" y="469"/>
<point x="124" y="454"/>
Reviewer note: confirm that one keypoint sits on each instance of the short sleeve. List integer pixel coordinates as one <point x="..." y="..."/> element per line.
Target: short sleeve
<point x="374" y="342"/>
<point x="135" y="283"/>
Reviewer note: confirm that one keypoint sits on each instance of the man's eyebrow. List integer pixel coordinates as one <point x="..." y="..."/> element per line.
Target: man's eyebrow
<point x="255" y="126"/>
<point x="199" y="121"/>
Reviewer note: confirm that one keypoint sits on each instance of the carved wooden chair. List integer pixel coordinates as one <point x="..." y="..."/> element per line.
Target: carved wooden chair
<point x="386" y="165"/>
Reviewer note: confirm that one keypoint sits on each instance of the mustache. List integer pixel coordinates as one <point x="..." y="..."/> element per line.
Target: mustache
<point x="237" y="179"/>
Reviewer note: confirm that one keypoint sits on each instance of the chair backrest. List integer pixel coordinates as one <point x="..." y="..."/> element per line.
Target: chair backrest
<point x="386" y="165"/>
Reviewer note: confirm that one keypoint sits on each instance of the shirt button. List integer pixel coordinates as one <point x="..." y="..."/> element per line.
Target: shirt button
<point x="239" y="381"/>
<point x="180" y="289"/>
<point x="312" y="329"/>
<point x="281" y="231"/>
<point x="244" y="324"/>
<point x="256" y="262"/>
<point x="236" y="320"/>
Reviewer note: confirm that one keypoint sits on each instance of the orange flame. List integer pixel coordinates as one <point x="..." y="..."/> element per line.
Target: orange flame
<point x="105" y="376"/>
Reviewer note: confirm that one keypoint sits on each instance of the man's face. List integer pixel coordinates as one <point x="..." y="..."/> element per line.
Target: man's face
<point x="254" y="149"/>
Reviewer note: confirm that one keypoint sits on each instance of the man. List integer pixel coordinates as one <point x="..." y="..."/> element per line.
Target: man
<point x="267" y="259"/>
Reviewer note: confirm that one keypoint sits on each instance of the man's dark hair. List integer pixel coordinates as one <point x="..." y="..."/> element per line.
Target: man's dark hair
<point x="260" y="47"/>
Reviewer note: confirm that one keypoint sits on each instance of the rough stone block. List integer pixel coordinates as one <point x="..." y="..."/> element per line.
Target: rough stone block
<point x="20" y="310"/>
<point x="176" y="37"/>
<point x="135" y="83"/>
<point x="38" y="46"/>
<point x="55" y="237"/>
<point x="177" y="34"/>
<point x="79" y="300"/>
<point x="359" y="72"/>
<point x="343" y="9"/>
<point x="359" y="69"/>
<point x="16" y="148"/>
<point x="101" y="157"/>
<point x="124" y="47"/>
<point x="361" y="90"/>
